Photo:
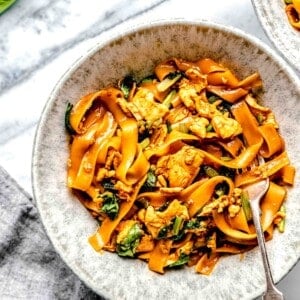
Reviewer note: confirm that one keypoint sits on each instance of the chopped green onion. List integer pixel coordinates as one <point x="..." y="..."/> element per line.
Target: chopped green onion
<point x="170" y="97"/>
<point x="209" y="128"/>
<point x="246" y="205"/>
<point x="177" y="225"/>
<point x="145" y="143"/>
<point x="213" y="99"/>
<point x="168" y="81"/>
<point x="260" y="118"/>
<point x="210" y="171"/>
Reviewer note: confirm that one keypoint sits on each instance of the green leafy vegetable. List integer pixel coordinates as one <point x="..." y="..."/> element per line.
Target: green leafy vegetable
<point x="67" y="119"/>
<point x="225" y="108"/>
<point x="221" y="189"/>
<point x="227" y="172"/>
<point x="150" y="183"/>
<point x="5" y="4"/>
<point x="163" y="232"/>
<point x="108" y="185"/>
<point x="110" y="205"/>
<point x="128" y="246"/>
<point x="192" y="224"/>
<point x="183" y="259"/>
<point x="126" y="85"/>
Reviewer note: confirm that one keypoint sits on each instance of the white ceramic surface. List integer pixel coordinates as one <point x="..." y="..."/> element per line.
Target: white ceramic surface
<point x="284" y="37"/>
<point x="69" y="225"/>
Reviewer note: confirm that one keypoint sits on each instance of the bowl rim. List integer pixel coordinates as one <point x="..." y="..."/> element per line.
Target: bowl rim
<point x="114" y="35"/>
<point x="277" y="43"/>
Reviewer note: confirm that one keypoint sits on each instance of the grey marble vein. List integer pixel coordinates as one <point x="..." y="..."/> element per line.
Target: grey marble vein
<point x="49" y="26"/>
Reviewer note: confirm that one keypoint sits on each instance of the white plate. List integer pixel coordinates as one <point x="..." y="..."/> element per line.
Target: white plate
<point x="69" y="225"/>
<point x="284" y="37"/>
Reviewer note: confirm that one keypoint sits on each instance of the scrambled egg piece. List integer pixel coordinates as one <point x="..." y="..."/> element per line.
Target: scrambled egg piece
<point x="226" y="127"/>
<point x="180" y="168"/>
<point x="144" y="106"/>
<point x="155" y="220"/>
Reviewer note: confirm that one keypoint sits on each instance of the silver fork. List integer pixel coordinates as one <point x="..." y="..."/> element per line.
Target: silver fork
<point x="256" y="191"/>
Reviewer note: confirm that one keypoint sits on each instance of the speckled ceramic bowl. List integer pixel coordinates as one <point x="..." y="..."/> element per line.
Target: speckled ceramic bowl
<point x="284" y="37"/>
<point x="69" y="225"/>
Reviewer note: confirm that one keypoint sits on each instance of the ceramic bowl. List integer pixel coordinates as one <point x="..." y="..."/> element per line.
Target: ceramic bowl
<point x="137" y="50"/>
<point x="275" y="23"/>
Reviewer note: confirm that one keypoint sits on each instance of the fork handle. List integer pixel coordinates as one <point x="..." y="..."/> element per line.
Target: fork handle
<point x="272" y="293"/>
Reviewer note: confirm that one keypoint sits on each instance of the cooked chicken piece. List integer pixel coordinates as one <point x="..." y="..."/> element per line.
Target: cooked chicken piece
<point x="226" y="127"/>
<point x="195" y="75"/>
<point x="270" y="119"/>
<point x="180" y="168"/>
<point x="104" y="173"/>
<point x="124" y="190"/>
<point x="144" y="106"/>
<point x="206" y="109"/>
<point x="129" y="109"/>
<point x="177" y="114"/>
<point x="252" y="102"/>
<point x="198" y="127"/>
<point x="189" y="92"/>
<point x="120" y="186"/>
<point x="159" y="135"/>
<point x="169" y="191"/>
<point x="155" y="220"/>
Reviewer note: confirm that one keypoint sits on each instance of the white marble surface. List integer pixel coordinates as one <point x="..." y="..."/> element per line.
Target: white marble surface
<point x="41" y="38"/>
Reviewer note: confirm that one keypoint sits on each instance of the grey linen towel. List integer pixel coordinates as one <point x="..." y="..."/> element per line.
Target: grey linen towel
<point x="29" y="266"/>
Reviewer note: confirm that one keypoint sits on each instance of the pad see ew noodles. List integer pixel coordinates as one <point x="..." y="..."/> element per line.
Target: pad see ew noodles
<point x="161" y="164"/>
<point x="292" y="10"/>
